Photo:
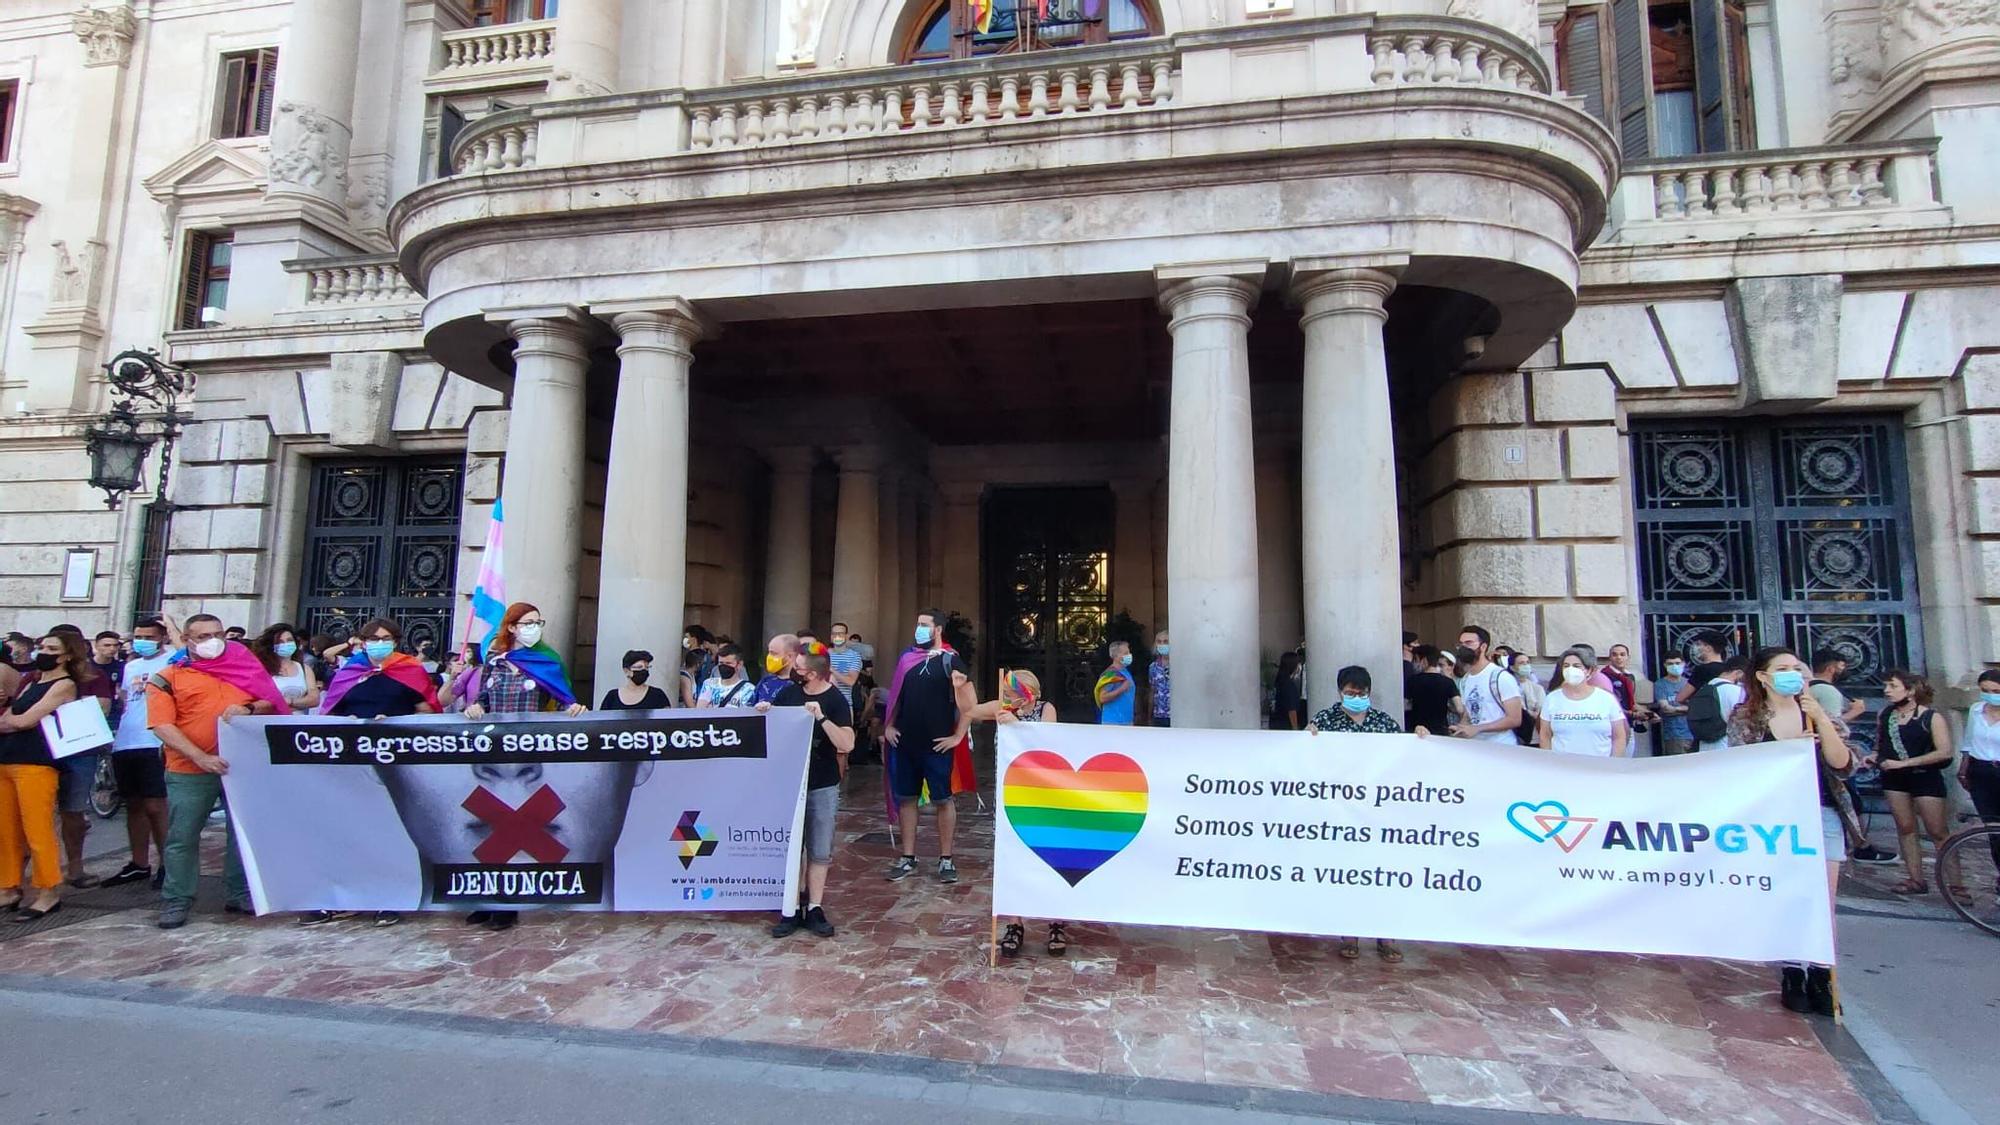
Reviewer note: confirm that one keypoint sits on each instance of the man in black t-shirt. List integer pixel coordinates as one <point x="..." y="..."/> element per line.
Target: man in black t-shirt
<point x="1705" y="652"/>
<point x="1432" y="695"/>
<point x="832" y="742"/>
<point x="930" y="710"/>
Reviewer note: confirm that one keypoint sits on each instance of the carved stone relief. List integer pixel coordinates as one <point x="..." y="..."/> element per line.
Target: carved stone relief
<point x="107" y="34"/>
<point x="75" y="278"/>
<point x="1910" y="27"/>
<point x="1521" y="17"/>
<point x="309" y="152"/>
<point x="799" y="29"/>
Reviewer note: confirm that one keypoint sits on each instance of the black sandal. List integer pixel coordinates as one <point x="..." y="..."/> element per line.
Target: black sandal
<point x="1011" y="938"/>
<point x="1058" y="940"/>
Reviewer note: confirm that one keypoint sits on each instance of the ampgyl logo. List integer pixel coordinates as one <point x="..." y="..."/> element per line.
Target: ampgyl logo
<point x="1552" y="822"/>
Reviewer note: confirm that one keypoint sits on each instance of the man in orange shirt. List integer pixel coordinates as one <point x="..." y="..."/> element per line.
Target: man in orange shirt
<point x="186" y="704"/>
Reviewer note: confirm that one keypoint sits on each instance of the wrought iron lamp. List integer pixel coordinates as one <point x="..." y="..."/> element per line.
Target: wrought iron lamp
<point x="146" y="392"/>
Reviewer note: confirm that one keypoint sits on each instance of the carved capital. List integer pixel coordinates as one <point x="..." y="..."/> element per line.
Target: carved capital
<point x="107" y="34"/>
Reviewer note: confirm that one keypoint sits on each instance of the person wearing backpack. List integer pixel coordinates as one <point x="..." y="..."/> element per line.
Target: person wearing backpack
<point x="729" y="687"/>
<point x="1709" y="707"/>
<point x="1492" y="697"/>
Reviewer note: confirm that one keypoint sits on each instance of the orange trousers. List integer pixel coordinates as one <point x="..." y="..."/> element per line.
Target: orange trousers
<point x="28" y="824"/>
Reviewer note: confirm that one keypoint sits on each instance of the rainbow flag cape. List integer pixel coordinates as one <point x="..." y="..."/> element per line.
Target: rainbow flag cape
<point x="542" y="665"/>
<point x="400" y="667"/>
<point x="239" y="668"/>
<point x="1108" y="679"/>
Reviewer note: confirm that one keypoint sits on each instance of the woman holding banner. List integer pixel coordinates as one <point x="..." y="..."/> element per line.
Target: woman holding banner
<point x="1775" y="707"/>
<point x="1021" y="702"/>
<point x="1356" y="714"/>
<point x="521" y="676"/>
<point x="376" y="683"/>
<point x="1579" y="717"/>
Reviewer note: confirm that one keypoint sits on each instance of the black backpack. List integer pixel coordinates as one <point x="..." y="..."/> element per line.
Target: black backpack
<point x="1705" y="717"/>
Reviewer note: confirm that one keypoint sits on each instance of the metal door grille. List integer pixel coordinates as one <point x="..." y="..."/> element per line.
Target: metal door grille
<point x="1048" y="570"/>
<point x="1793" y="533"/>
<point x="382" y="542"/>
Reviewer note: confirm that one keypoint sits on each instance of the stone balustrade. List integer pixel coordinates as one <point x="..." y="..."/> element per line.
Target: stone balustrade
<point x="1052" y="84"/>
<point x="369" y="280"/>
<point x="1442" y="51"/>
<point x="1838" y="185"/>
<point x="506" y="46"/>
<point x="498" y="148"/>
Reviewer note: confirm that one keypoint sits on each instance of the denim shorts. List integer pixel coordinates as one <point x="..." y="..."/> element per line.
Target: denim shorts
<point x="75" y="776"/>
<point x="821" y="807"/>
<point x="1831" y="837"/>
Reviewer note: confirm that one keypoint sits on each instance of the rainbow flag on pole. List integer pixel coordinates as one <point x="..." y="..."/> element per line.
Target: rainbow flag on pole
<point x="489" y="591"/>
<point x="982" y="15"/>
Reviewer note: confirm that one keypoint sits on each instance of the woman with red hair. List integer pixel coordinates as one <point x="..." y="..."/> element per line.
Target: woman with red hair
<point x="522" y="676"/>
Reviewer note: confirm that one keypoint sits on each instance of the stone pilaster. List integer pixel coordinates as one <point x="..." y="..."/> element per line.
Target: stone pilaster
<point x="1212" y="532"/>
<point x="857" y="539"/>
<point x="1982" y="487"/>
<point x="788" y="562"/>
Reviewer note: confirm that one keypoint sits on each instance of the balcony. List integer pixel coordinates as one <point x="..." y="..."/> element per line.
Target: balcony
<point x="504" y="55"/>
<point x="1776" y="192"/>
<point x="360" y="287"/>
<point x="1294" y="58"/>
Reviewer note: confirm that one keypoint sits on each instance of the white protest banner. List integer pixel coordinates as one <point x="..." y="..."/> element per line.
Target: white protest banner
<point x="633" y="810"/>
<point x="1392" y="836"/>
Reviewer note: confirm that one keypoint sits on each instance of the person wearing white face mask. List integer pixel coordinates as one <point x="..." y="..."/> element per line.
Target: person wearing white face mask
<point x="1581" y="718"/>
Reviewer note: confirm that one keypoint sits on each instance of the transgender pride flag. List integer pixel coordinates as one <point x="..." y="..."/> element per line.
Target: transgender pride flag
<point x="489" y="593"/>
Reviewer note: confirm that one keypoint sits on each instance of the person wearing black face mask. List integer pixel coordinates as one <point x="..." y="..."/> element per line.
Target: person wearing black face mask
<point x="635" y="694"/>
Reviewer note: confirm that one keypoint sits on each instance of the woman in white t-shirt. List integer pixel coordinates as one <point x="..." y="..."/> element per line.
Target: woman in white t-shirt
<point x="1580" y="717"/>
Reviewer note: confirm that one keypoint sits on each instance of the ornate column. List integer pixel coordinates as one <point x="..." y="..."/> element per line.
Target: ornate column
<point x="312" y="121"/>
<point x="1348" y="525"/>
<point x="788" y="559"/>
<point x="1211" y="524"/>
<point x="15" y="211"/>
<point x="585" y="61"/>
<point x="542" y="484"/>
<point x="642" y="583"/>
<point x="857" y="537"/>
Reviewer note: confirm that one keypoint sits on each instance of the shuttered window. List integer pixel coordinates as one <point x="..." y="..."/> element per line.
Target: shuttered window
<point x="10" y="96"/>
<point x="249" y="85"/>
<point x="1670" y="77"/>
<point x="1580" y="62"/>
<point x="485" y="13"/>
<point x="205" y="277"/>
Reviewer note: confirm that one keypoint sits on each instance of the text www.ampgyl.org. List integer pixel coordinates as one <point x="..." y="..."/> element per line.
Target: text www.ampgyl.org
<point x="1692" y="879"/>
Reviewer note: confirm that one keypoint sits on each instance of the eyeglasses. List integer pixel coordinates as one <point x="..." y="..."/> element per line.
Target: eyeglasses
<point x="533" y="621"/>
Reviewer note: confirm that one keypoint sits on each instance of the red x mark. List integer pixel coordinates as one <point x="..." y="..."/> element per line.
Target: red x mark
<point x="517" y="830"/>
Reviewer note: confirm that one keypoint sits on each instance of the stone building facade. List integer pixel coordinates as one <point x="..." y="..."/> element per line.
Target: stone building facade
<point x="1269" y="320"/>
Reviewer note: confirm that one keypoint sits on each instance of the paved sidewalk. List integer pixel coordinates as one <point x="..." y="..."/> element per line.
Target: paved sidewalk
<point x="1590" y="1035"/>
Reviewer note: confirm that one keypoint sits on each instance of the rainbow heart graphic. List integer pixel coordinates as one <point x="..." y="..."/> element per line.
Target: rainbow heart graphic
<point x="1075" y="819"/>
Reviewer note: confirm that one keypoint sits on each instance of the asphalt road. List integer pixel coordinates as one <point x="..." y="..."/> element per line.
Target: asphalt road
<point x="1923" y="999"/>
<point x="103" y="1061"/>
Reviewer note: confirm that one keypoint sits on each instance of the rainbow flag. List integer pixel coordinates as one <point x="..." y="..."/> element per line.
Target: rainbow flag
<point x="489" y="590"/>
<point x="982" y="15"/>
<point x="1075" y="819"/>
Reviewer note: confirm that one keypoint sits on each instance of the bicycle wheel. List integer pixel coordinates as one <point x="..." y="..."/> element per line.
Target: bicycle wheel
<point x="104" y="798"/>
<point x="1969" y="877"/>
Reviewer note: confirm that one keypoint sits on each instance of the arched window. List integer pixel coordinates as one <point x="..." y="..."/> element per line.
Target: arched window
<point x="950" y="29"/>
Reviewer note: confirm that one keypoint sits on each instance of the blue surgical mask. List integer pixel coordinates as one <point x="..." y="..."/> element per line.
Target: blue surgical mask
<point x="1991" y="698"/>
<point x="1788" y="683"/>
<point x="1125" y="659"/>
<point x="1676" y="669"/>
<point x="378" y="651"/>
<point x="1355" y="703"/>
<point x="1163" y="649"/>
<point x="924" y="634"/>
<point x="144" y="648"/>
<point x="285" y="649"/>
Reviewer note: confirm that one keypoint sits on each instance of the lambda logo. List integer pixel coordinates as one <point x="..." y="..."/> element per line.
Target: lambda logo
<point x="695" y="838"/>
<point x="1550" y="820"/>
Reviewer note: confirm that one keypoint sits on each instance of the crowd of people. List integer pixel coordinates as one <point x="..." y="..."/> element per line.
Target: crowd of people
<point x="167" y="686"/>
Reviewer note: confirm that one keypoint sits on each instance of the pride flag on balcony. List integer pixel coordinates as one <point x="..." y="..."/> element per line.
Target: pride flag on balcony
<point x="982" y="15"/>
<point x="489" y="592"/>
